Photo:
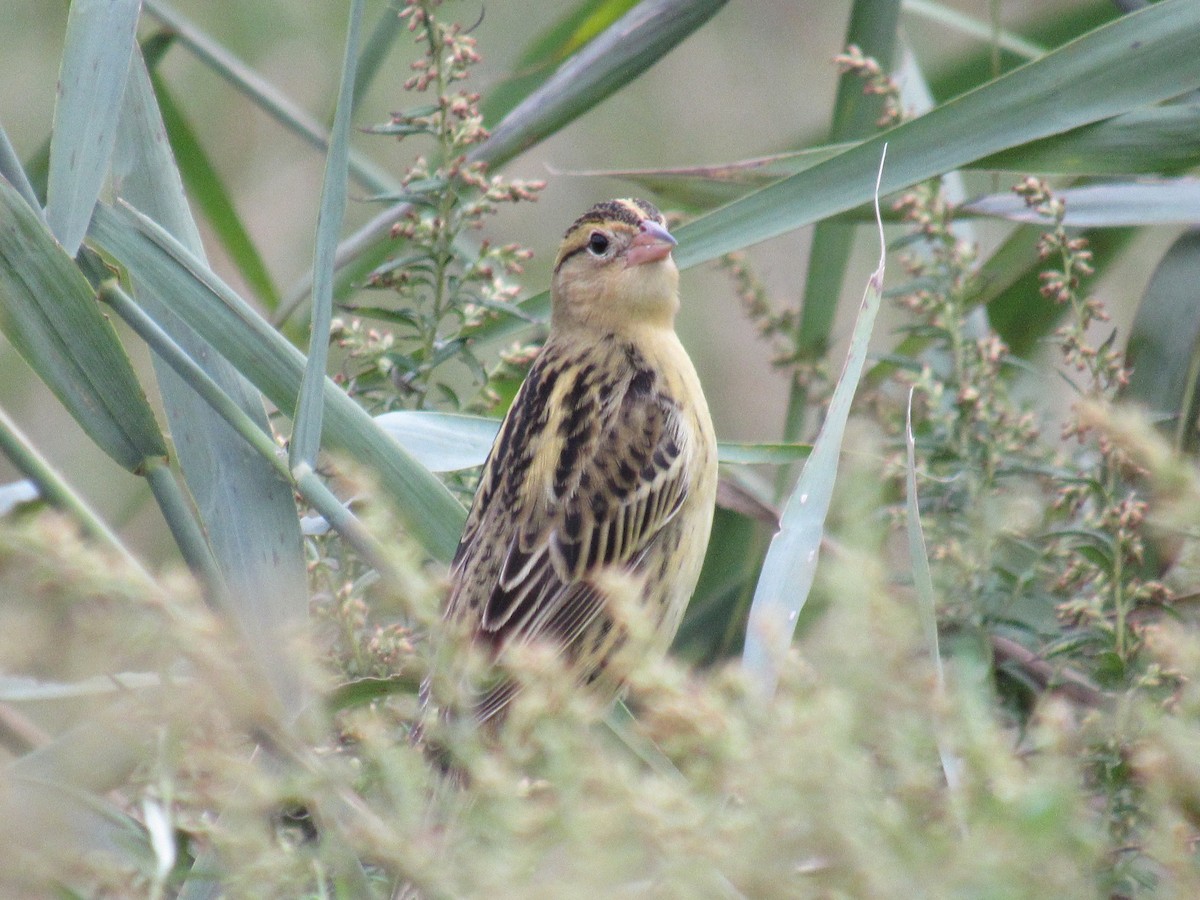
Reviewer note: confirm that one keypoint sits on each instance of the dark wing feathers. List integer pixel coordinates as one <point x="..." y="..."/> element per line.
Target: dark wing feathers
<point x="540" y="527"/>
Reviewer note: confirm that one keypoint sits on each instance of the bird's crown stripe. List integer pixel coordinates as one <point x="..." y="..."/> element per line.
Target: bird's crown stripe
<point x="626" y="212"/>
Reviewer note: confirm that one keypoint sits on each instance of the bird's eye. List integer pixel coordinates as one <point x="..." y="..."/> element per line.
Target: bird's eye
<point x="598" y="243"/>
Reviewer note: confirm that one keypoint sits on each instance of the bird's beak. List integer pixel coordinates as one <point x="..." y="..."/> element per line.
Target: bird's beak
<point x="654" y="243"/>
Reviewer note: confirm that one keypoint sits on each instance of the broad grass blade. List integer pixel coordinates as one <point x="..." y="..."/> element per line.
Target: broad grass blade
<point x="256" y="545"/>
<point x="49" y="314"/>
<point x="95" y="63"/>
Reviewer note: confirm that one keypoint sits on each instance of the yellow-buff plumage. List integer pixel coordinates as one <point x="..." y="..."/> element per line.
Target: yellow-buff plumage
<point x="596" y="501"/>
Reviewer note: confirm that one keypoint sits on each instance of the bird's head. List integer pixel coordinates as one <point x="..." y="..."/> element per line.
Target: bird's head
<point x="614" y="269"/>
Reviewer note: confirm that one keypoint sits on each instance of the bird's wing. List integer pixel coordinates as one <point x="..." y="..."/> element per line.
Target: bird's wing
<point x="580" y="485"/>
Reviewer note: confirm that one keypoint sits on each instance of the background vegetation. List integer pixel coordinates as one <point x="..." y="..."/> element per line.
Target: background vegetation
<point x="993" y="689"/>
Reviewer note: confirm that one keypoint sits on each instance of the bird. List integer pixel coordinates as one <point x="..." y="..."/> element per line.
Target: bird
<point x="595" y="504"/>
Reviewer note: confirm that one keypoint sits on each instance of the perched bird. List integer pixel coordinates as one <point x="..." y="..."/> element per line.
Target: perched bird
<point x="596" y="502"/>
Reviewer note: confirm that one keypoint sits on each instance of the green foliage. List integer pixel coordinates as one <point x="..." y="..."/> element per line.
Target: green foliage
<point x="1016" y="715"/>
<point x="446" y="194"/>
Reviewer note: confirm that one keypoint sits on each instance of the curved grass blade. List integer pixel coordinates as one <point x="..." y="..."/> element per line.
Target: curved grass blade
<point x="1164" y="342"/>
<point x="366" y="690"/>
<point x="1092" y="78"/>
<point x="1158" y="140"/>
<point x="790" y="567"/>
<point x="275" y="367"/>
<point x="1087" y="81"/>
<point x="49" y="314"/>
<point x="95" y="63"/>
<point x="306" y="427"/>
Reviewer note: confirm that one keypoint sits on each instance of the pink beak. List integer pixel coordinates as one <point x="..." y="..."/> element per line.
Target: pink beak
<point x="653" y="244"/>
